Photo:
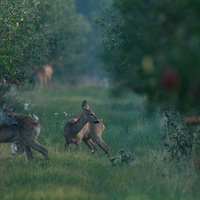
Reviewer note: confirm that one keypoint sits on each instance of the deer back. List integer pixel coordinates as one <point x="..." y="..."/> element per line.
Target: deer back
<point x="27" y="125"/>
<point x="88" y="128"/>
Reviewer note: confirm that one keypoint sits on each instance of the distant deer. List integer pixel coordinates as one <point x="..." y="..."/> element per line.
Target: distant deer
<point x="86" y="127"/>
<point x="26" y="130"/>
<point x="44" y="75"/>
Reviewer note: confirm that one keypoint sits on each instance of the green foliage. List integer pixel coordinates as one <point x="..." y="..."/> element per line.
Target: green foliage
<point x="92" y="45"/>
<point x="22" y="43"/>
<point x="36" y="32"/>
<point x="153" y="46"/>
<point x="181" y="140"/>
<point x="63" y="30"/>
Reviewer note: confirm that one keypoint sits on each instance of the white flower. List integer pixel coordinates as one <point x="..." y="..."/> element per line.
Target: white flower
<point x="27" y="106"/>
<point x="36" y="118"/>
<point x="65" y="113"/>
<point x="13" y="148"/>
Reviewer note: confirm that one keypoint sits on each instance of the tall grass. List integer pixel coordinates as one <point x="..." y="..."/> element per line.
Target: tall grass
<point x="72" y="175"/>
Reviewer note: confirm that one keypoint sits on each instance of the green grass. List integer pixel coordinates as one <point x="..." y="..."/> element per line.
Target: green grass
<point x="84" y="176"/>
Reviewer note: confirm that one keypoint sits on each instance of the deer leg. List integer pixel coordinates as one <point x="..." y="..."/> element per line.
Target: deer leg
<point x="90" y="144"/>
<point x="20" y="148"/>
<point x="35" y="145"/>
<point x="78" y="145"/>
<point x="28" y="152"/>
<point x="102" y="145"/>
<point x="67" y="143"/>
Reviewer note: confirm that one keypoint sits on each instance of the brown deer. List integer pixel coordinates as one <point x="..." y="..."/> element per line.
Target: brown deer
<point x="26" y="130"/>
<point x="86" y="127"/>
<point x="44" y="75"/>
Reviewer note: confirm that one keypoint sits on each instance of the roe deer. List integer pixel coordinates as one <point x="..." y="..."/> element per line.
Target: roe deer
<point x="7" y="118"/>
<point x="44" y="75"/>
<point x="86" y="127"/>
<point x="25" y="131"/>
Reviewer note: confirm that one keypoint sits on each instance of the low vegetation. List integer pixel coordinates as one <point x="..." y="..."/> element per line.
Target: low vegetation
<point x="136" y="168"/>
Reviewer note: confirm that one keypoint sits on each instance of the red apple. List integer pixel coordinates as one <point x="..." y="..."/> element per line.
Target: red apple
<point x="16" y="82"/>
<point x="192" y="120"/>
<point x="169" y="79"/>
<point x="3" y="80"/>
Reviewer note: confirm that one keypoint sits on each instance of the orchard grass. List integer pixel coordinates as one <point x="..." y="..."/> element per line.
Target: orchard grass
<point x="73" y="175"/>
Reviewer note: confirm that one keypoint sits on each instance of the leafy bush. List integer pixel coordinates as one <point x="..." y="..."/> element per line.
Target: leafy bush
<point x="122" y="158"/>
<point x="181" y="140"/>
<point x="33" y="33"/>
<point x="22" y="42"/>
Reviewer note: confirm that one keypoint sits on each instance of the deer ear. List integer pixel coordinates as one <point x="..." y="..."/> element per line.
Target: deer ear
<point x="3" y="107"/>
<point x="10" y="107"/>
<point x="85" y="105"/>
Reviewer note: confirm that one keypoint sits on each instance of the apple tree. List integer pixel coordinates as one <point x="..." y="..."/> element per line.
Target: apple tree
<point x="22" y="42"/>
<point x="36" y="32"/>
<point x="152" y="47"/>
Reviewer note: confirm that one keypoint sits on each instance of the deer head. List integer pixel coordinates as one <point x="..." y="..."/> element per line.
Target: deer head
<point x="7" y="117"/>
<point x="88" y="114"/>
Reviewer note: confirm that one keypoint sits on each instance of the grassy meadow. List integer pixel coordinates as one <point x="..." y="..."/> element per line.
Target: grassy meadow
<point x="73" y="175"/>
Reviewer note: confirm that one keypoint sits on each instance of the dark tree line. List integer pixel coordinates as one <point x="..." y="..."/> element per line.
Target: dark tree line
<point x="153" y="48"/>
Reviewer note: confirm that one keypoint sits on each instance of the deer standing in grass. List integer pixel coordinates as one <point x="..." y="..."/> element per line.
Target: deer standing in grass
<point x="43" y="75"/>
<point x="26" y="130"/>
<point x="86" y="127"/>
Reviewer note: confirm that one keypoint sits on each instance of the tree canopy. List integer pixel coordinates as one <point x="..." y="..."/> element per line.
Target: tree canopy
<point x="36" y="32"/>
<point x="21" y="40"/>
<point x="153" y="48"/>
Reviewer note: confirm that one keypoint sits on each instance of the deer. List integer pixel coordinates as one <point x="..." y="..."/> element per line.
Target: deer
<point x="87" y="127"/>
<point x="22" y="128"/>
<point x="7" y="118"/>
<point x="44" y="75"/>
